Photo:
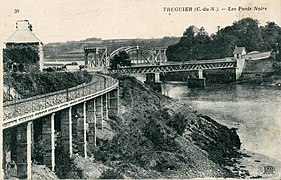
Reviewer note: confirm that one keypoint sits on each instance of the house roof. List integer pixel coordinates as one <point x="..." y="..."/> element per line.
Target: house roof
<point x="239" y="50"/>
<point x="23" y="34"/>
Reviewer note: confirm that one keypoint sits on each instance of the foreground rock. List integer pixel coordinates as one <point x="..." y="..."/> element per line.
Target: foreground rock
<point x="253" y="165"/>
<point x="42" y="172"/>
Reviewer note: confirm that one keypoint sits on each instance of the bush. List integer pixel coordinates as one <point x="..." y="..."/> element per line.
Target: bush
<point x="178" y="122"/>
<point x="32" y="84"/>
<point x="111" y="174"/>
<point x="65" y="166"/>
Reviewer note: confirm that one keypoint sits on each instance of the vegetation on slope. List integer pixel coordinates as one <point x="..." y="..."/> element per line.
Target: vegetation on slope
<point x="32" y="84"/>
<point x="156" y="137"/>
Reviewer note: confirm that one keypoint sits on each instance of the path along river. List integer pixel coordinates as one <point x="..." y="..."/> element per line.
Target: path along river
<point x="254" y="110"/>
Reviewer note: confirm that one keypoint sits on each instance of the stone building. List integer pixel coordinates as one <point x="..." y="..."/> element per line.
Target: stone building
<point x="24" y="37"/>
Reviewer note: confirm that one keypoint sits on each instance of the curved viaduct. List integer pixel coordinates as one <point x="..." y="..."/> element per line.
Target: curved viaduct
<point x="74" y="114"/>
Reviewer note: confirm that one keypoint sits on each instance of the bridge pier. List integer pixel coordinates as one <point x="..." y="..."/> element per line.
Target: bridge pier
<point x="200" y="74"/>
<point x="239" y="68"/>
<point x="91" y="120"/>
<point x="113" y="102"/>
<point x="7" y="150"/>
<point x="99" y="112"/>
<point x="24" y="147"/>
<point x="199" y="82"/>
<point x="81" y="130"/>
<point x="48" y="137"/>
<point x="105" y="106"/>
<point x="152" y="77"/>
<point x="66" y="130"/>
<point x="157" y="77"/>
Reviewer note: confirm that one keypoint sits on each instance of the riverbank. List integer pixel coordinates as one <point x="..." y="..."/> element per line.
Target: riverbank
<point x="251" y="109"/>
<point x="270" y="79"/>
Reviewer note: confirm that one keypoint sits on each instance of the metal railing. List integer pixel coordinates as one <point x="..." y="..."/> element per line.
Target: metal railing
<point x="17" y="108"/>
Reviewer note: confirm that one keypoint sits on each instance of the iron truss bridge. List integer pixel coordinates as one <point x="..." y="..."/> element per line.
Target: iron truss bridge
<point x="173" y="67"/>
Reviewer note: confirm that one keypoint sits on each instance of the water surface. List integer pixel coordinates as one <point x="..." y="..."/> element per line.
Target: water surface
<point x="254" y="110"/>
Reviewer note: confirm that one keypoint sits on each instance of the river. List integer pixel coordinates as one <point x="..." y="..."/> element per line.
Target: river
<point x="254" y="110"/>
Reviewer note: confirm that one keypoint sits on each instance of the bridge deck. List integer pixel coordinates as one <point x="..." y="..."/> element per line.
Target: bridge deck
<point x="23" y="110"/>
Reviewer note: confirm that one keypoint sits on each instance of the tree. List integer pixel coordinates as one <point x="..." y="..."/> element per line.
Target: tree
<point x="249" y="34"/>
<point x="120" y="59"/>
<point x="22" y="54"/>
<point x="26" y="56"/>
<point x="271" y="33"/>
<point x="197" y="44"/>
<point x="194" y="44"/>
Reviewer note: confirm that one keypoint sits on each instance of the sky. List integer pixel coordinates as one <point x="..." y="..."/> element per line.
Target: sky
<point x="65" y="20"/>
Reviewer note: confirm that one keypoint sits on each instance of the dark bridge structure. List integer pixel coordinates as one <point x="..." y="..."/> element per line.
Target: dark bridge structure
<point x="73" y="114"/>
<point x="153" y="72"/>
<point x="98" y="56"/>
<point x="154" y="62"/>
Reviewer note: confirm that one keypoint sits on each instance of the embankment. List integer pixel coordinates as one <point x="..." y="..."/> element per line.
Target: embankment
<point x="263" y="72"/>
<point x="156" y="137"/>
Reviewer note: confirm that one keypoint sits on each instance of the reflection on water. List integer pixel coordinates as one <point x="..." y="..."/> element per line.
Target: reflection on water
<point x="255" y="111"/>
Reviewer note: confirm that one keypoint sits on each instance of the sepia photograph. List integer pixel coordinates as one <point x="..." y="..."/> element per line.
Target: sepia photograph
<point x="140" y="89"/>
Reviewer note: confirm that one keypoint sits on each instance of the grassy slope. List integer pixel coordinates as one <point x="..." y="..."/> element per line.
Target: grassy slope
<point x="157" y="137"/>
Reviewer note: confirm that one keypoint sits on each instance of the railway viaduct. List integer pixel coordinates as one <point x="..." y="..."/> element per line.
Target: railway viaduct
<point x="75" y="114"/>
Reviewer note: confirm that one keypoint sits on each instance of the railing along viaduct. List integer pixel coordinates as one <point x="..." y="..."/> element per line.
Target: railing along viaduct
<point x="74" y="113"/>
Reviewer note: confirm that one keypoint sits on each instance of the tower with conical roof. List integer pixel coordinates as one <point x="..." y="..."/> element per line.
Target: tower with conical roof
<point x="24" y="37"/>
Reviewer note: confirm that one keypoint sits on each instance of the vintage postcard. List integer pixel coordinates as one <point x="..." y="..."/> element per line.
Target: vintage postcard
<point x="140" y="89"/>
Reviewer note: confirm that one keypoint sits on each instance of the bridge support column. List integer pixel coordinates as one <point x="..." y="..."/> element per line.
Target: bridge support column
<point x="81" y="130"/>
<point x="113" y="102"/>
<point x="24" y="141"/>
<point x="157" y="77"/>
<point x="152" y="77"/>
<point x="66" y="130"/>
<point x="8" y="149"/>
<point x="105" y="107"/>
<point x="91" y="119"/>
<point x="99" y="112"/>
<point x="240" y="63"/>
<point x="200" y="74"/>
<point x="199" y="82"/>
<point x="29" y="148"/>
<point x="49" y="141"/>
<point x="86" y="59"/>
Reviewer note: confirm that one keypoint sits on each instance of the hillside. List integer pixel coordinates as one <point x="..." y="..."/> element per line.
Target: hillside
<point x="156" y="137"/>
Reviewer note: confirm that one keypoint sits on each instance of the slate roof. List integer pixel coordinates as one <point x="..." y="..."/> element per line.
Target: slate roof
<point x="23" y="34"/>
<point x="239" y="50"/>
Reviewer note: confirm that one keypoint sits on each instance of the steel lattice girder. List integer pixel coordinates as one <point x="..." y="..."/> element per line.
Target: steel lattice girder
<point x="175" y="67"/>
